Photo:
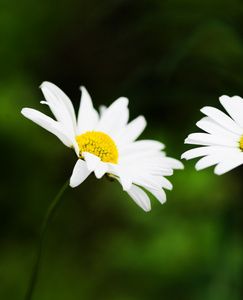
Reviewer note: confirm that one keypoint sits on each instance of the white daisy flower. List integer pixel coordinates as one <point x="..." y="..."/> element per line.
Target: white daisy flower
<point x="223" y="142"/>
<point x="105" y="144"/>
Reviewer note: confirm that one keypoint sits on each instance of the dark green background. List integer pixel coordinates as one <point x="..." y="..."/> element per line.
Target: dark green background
<point x="170" y="58"/>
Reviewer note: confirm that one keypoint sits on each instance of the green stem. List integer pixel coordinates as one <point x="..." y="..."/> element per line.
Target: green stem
<point x="48" y="216"/>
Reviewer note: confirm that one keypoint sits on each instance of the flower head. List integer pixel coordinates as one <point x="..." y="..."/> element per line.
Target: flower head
<point x="105" y="144"/>
<point x="223" y="141"/>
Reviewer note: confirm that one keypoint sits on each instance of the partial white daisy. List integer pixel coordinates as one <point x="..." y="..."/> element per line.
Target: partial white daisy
<point x="105" y="144"/>
<point x="223" y="141"/>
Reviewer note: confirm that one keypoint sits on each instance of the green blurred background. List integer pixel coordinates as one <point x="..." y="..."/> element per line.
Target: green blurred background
<point x="170" y="58"/>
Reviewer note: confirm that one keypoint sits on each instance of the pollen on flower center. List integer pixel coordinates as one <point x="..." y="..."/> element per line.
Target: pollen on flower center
<point x="99" y="144"/>
<point x="241" y="143"/>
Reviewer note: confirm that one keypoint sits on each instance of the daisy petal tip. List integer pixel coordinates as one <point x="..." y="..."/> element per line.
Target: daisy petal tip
<point x="73" y="182"/>
<point x="45" y="84"/>
<point x="147" y="209"/>
<point x="183" y="156"/>
<point x="223" y="97"/>
<point x="142" y="119"/>
<point x="199" y="167"/>
<point x="187" y="140"/>
<point x="219" y="171"/>
<point x="41" y="85"/>
<point x="23" y="110"/>
<point x="82" y="88"/>
<point x="180" y="165"/>
<point x="125" y="100"/>
<point x="27" y="112"/>
<point x="146" y="206"/>
<point x="205" y="109"/>
<point x="198" y="124"/>
<point x="163" y="201"/>
<point x="126" y="186"/>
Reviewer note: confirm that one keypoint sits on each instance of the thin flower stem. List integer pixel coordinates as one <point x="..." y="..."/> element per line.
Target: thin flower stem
<point x="49" y="214"/>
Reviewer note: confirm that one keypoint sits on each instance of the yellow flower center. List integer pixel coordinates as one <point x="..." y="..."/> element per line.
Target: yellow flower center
<point x="99" y="144"/>
<point x="241" y="143"/>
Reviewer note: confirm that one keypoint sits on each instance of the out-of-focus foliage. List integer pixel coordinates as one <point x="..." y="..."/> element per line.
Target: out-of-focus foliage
<point x="170" y="58"/>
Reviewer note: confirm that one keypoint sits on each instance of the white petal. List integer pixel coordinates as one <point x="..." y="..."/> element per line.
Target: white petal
<point x="91" y="160"/>
<point x="156" y="170"/>
<point x="131" y="131"/>
<point x="201" y="151"/>
<point x="153" y="161"/>
<point x="210" y="126"/>
<point x="140" y="197"/>
<point x="123" y="174"/>
<point x="80" y="173"/>
<point x="101" y="169"/>
<point x="142" y="157"/>
<point x="222" y="119"/>
<point x="196" y="152"/>
<point x="102" y="109"/>
<point x="140" y="146"/>
<point x="228" y="165"/>
<point x="172" y="163"/>
<point x="209" y="139"/>
<point x="234" y="107"/>
<point x="87" y="115"/>
<point x="149" y="164"/>
<point x="166" y="183"/>
<point x="136" y="157"/>
<point x="210" y="160"/>
<point x="60" y="105"/>
<point x="114" y="117"/>
<point x="49" y="124"/>
<point x="145" y="179"/>
<point x="76" y="148"/>
<point x="159" y="194"/>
